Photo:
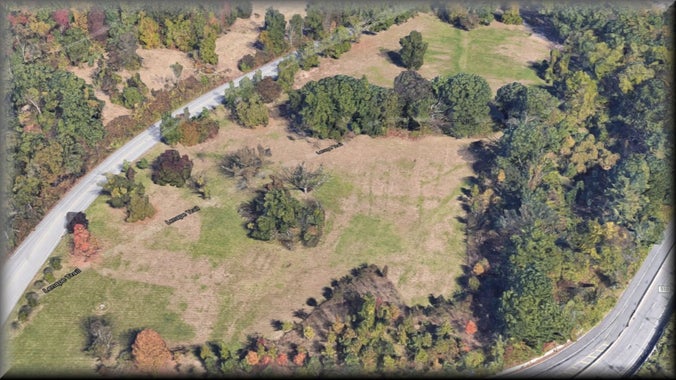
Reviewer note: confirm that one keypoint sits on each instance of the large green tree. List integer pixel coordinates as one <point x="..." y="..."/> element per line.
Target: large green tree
<point x="272" y="37"/>
<point x="413" y="49"/>
<point x="464" y="102"/>
<point x="333" y="106"/>
<point x="416" y="98"/>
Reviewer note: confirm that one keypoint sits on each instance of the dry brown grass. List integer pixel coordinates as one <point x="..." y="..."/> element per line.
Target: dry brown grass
<point x="408" y="187"/>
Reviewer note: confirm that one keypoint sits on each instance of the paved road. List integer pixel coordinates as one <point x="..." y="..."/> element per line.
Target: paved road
<point x="621" y="341"/>
<point x="24" y="263"/>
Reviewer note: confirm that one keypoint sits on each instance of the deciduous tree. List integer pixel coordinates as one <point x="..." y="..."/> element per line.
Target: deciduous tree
<point x="464" y="101"/>
<point x="170" y="168"/>
<point x="151" y="354"/>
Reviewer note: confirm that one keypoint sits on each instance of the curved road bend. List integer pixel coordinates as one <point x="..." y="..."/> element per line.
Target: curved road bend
<point x="621" y="341"/>
<point x="20" y="268"/>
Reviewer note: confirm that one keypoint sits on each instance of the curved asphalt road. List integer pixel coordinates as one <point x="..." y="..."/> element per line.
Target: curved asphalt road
<point x="21" y="267"/>
<point x="619" y="344"/>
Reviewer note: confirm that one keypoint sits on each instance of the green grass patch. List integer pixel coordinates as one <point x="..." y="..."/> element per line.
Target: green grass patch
<point x="367" y="239"/>
<point x="331" y="193"/>
<point x="100" y="224"/>
<point x="478" y="51"/>
<point x="54" y="338"/>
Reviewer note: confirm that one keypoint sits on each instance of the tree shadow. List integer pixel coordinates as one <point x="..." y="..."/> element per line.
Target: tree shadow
<point x="392" y="56"/>
<point x="276" y="324"/>
<point x="301" y="313"/>
<point x="539" y="67"/>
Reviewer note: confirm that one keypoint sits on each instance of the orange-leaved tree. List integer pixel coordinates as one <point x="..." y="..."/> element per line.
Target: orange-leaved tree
<point x="151" y="353"/>
<point x="84" y="246"/>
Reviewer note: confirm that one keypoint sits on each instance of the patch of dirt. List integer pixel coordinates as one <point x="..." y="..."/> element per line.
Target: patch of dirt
<point x="156" y="70"/>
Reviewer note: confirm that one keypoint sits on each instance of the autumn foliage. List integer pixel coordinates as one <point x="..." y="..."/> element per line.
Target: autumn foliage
<point x="470" y="328"/>
<point x="85" y="246"/>
<point x="151" y="353"/>
<point x="299" y="359"/>
<point x="252" y="358"/>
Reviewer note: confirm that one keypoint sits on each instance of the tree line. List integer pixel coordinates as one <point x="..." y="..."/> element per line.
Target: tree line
<point x="569" y="200"/>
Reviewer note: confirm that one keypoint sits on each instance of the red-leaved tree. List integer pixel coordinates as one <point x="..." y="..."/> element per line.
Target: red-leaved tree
<point x="85" y="247"/>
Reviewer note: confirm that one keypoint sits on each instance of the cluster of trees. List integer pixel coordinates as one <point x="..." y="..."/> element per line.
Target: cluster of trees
<point x="334" y="106"/>
<point x="470" y="15"/>
<point x="124" y="191"/>
<point x="55" y="119"/>
<point x="568" y="201"/>
<point x="247" y="101"/>
<point x="369" y="336"/>
<point x="53" y="133"/>
<point x="188" y="130"/>
<point x="276" y="214"/>
<point x="327" y="30"/>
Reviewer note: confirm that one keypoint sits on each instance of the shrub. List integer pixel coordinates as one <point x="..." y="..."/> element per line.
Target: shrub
<point x="132" y="97"/>
<point x="39" y="284"/>
<point x="32" y="299"/>
<point x="171" y="168"/>
<point x="287" y="72"/>
<point x="309" y="61"/>
<point x="142" y="163"/>
<point x="268" y="89"/>
<point x="252" y="112"/>
<point x="24" y="312"/>
<point x="48" y="274"/>
<point x="55" y="262"/>
<point x="246" y="63"/>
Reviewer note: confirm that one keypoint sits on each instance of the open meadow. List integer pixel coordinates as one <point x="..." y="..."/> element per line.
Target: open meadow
<point x="391" y="200"/>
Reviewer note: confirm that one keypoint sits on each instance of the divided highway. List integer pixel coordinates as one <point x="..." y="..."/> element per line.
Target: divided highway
<point x="619" y="344"/>
<point x="20" y="268"/>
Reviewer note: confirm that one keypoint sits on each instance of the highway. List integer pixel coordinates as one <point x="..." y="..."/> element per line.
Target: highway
<point x="618" y="345"/>
<point x="20" y="268"/>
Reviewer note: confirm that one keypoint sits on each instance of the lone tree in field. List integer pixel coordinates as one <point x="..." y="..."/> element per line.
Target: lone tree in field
<point x="304" y="179"/>
<point x="171" y="168"/>
<point x="151" y="353"/>
<point x="412" y="50"/>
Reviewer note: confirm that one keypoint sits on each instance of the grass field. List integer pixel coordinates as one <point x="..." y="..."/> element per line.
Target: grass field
<point x="500" y="53"/>
<point x="54" y="339"/>
<point x="389" y="201"/>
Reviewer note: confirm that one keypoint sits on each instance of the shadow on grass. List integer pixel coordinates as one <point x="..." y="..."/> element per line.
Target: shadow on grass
<point x="392" y="56"/>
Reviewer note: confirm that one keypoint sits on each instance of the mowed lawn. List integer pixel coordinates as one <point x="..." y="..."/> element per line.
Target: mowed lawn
<point x="389" y="201"/>
<point x="500" y="53"/>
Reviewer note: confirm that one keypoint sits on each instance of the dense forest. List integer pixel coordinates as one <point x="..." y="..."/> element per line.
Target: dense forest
<point x="572" y="181"/>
